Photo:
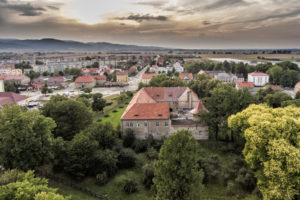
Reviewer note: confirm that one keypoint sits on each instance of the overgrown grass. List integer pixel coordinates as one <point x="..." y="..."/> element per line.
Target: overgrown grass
<point x="114" y="117"/>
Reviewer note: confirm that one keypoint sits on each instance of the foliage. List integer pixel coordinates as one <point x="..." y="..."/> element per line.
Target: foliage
<point x="275" y="100"/>
<point x="294" y="102"/>
<point x="26" y="140"/>
<point x="98" y="102"/>
<point x="32" y="74"/>
<point x="297" y="96"/>
<point x="148" y="175"/>
<point x="177" y="170"/>
<point x="23" y="65"/>
<point x="27" y="187"/>
<point x="87" y="90"/>
<point x="129" y="138"/>
<point x="102" y="178"/>
<point x="126" y="159"/>
<point x="70" y="116"/>
<point x="128" y="185"/>
<point x="272" y="148"/>
<point x="105" y="161"/>
<point x="10" y="87"/>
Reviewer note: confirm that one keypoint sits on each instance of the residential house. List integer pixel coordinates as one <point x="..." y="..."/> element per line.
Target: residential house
<point x="132" y="70"/>
<point x="187" y="77"/>
<point x="258" y="78"/>
<point x="122" y="76"/>
<point x="90" y="71"/>
<point x="160" y="111"/>
<point x="244" y="84"/>
<point x="273" y="87"/>
<point x="37" y="84"/>
<point x="85" y="82"/>
<point x="178" y="68"/>
<point x="223" y="76"/>
<point x="56" y="82"/>
<point x="11" y="97"/>
<point x="147" y="77"/>
<point x="100" y="79"/>
<point x="15" y="79"/>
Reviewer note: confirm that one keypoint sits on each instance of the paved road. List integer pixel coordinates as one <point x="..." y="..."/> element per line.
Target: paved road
<point x="71" y="90"/>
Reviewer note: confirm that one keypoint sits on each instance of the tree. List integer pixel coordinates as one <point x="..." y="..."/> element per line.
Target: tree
<point x="10" y="87"/>
<point x="27" y="187"/>
<point x="297" y="96"/>
<point x="176" y="170"/>
<point x="275" y="73"/>
<point x="80" y="155"/>
<point x="223" y="102"/>
<point x="87" y="90"/>
<point x="98" y="102"/>
<point x="70" y="116"/>
<point x="32" y="74"/>
<point x="275" y="100"/>
<point x="26" y="141"/>
<point x="272" y="148"/>
<point x="44" y="90"/>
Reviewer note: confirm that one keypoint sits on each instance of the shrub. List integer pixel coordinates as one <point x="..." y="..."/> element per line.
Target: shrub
<point x="114" y="111"/>
<point x="101" y="179"/>
<point x="109" y="103"/>
<point x="140" y="146"/>
<point x="129" y="138"/>
<point x="121" y="106"/>
<point x="128" y="185"/>
<point x="151" y="154"/>
<point x="106" y="115"/>
<point x="126" y="159"/>
<point x="148" y="175"/>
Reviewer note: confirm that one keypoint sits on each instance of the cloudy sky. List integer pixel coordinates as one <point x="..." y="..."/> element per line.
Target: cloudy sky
<point x="173" y="23"/>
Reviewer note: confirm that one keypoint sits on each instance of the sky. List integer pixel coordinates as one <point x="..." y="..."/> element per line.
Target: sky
<point x="195" y="24"/>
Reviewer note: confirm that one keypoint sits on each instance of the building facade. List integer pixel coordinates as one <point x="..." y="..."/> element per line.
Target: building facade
<point x="122" y="77"/>
<point x="160" y="111"/>
<point x="258" y="78"/>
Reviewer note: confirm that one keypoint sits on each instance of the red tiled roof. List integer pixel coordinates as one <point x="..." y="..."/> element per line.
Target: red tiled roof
<point x="189" y="75"/>
<point x="56" y="79"/>
<point x="258" y="74"/>
<point x="122" y="73"/>
<point x="10" y="97"/>
<point x="198" y="107"/>
<point x="132" y="69"/>
<point x="84" y="79"/>
<point x="273" y="87"/>
<point x="148" y="111"/>
<point x="11" y="77"/>
<point x="245" y="84"/>
<point x="100" y="77"/>
<point x="148" y="76"/>
<point x="165" y="93"/>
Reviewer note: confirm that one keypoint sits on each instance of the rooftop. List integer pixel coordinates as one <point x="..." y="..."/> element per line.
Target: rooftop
<point x="148" y="76"/>
<point x="10" y="97"/>
<point x="84" y="79"/>
<point x="258" y="74"/>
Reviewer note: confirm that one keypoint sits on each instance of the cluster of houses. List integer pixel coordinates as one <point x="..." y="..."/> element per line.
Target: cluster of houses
<point x="176" y="67"/>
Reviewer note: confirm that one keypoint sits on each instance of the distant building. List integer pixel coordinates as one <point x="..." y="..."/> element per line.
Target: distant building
<point x="56" y="82"/>
<point x="90" y="71"/>
<point x="100" y="79"/>
<point x="15" y="79"/>
<point x="258" y="78"/>
<point x="37" y="84"/>
<point x="297" y="88"/>
<point x="2" y="86"/>
<point x="122" y="77"/>
<point x="178" y="68"/>
<point x="85" y="82"/>
<point x="147" y="77"/>
<point x="223" y="76"/>
<point x="132" y="70"/>
<point x="240" y="85"/>
<point x="11" y="97"/>
<point x="161" y="111"/>
<point x="187" y="77"/>
<point x="273" y="87"/>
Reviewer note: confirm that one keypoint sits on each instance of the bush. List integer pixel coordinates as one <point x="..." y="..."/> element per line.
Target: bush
<point x="128" y="185"/>
<point x="109" y="103"/>
<point x="151" y="154"/>
<point x="140" y="146"/>
<point x="129" y="138"/>
<point x="114" y="111"/>
<point x="148" y="175"/>
<point x="101" y="179"/>
<point x="121" y="106"/>
<point x="106" y="115"/>
<point x="126" y="159"/>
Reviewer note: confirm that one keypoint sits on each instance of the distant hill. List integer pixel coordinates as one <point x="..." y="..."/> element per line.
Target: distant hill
<point x="49" y="44"/>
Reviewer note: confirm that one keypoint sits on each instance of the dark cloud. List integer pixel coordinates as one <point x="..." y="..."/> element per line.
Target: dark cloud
<point x="147" y="17"/>
<point x="278" y="16"/>
<point x="225" y="3"/>
<point x="3" y="1"/>
<point x="26" y="9"/>
<point x="155" y="4"/>
<point x="206" y="23"/>
<point x="53" y="7"/>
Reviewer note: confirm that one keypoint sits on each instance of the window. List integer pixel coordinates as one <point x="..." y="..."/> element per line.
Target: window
<point x="137" y="124"/>
<point x="127" y="124"/>
<point x="157" y="123"/>
<point x="166" y="124"/>
<point x="145" y="124"/>
<point x="131" y="124"/>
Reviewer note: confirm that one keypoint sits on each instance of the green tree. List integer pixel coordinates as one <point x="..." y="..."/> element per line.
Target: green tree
<point x="26" y="141"/>
<point x="70" y="116"/>
<point x="98" y="102"/>
<point x="10" y="87"/>
<point x="272" y="148"/>
<point x="275" y="73"/>
<point x="27" y="187"/>
<point x="177" y="171"/>
<point x="32" y="74"/>
<point x="297" y="96"/>
<point x="275" y="100"/>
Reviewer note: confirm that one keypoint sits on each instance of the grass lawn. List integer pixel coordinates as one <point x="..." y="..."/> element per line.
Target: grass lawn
<point x="114" y="117"/>
<point x="67" y="191"/>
